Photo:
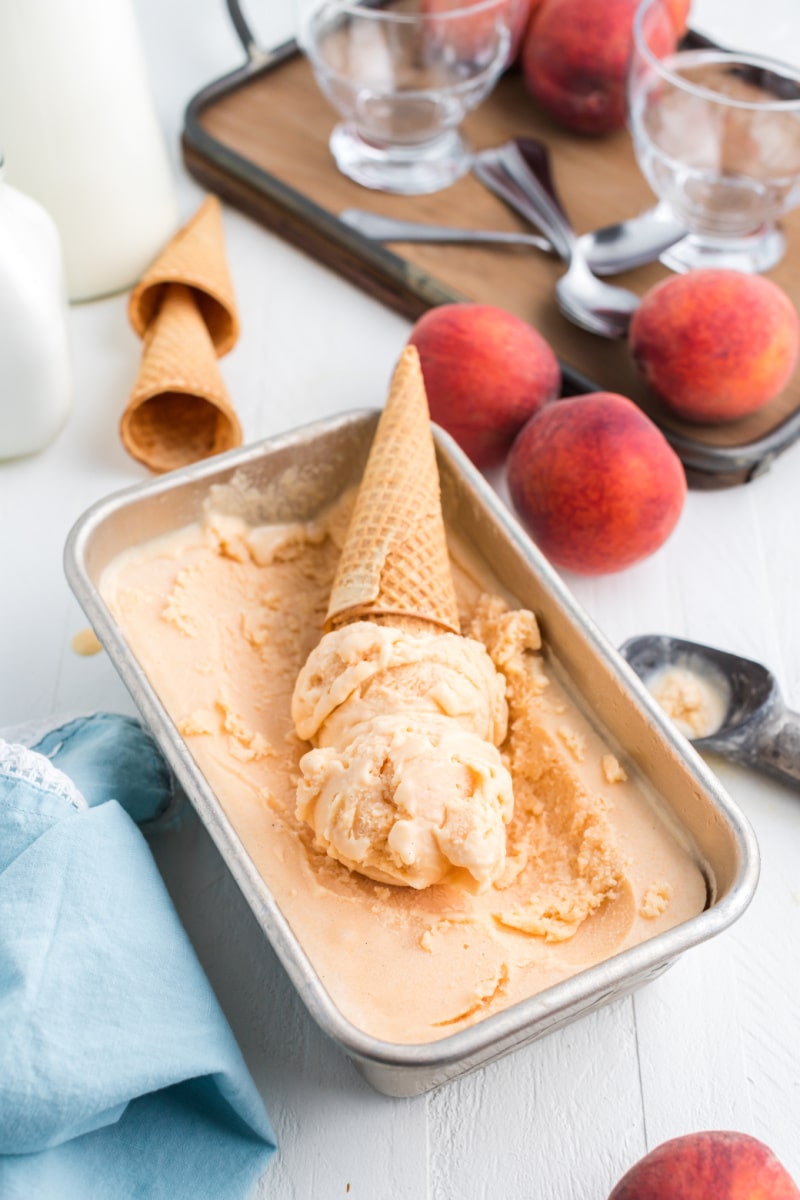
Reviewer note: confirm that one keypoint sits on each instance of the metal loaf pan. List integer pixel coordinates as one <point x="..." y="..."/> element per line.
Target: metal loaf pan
<point x="298" y="473"/>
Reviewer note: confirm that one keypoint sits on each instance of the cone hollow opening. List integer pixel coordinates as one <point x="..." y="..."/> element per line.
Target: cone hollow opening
<point x="175" y="429"/>
<point x="217" y="318"/>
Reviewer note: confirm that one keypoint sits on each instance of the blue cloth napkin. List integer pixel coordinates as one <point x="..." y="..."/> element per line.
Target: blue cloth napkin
<point x="119" y="1074"/>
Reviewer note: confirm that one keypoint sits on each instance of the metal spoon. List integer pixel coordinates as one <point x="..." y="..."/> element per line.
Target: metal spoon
<point x="757" y="728"/>
<point x="394" y="229"/>
<point x="582" y="297"/>
<point x="608" y="251"/>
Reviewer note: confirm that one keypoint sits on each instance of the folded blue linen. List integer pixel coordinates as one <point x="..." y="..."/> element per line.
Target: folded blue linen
<point x="119" y="1074"/>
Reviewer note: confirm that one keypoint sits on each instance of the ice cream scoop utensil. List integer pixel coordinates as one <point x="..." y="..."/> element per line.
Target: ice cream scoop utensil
<point x="757" y="730"/>
<point x="582" y="297"/>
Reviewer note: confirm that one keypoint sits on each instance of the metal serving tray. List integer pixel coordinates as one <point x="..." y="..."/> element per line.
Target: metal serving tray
<point x="298" y="473"/>
<point x="258" y="137"/>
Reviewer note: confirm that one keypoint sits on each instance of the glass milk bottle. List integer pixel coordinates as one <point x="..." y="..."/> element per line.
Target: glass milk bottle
<point x="81" y="135"/>
<point x="35" y="373"/>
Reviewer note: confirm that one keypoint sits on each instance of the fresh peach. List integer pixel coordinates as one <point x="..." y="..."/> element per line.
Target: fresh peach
<point x="596" y="482"/>
<point x="715" y="345"/>
<point x="679" y="12"/>
<point x="471" y="33"/>
<point x="710" y="1165"/>
<point x="486" y="371"/>
<point x="575" y="59"/>
<point x="524" y="16"/>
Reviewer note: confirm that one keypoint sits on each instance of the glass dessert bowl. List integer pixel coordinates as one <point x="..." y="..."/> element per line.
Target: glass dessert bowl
<point x="403" y="77"/>
<point x="716" y="133"/>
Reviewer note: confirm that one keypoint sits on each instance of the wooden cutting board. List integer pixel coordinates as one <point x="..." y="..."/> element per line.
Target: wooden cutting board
<point x="259" y="138"/>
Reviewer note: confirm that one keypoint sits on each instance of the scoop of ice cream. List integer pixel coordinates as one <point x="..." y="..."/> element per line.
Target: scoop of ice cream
<point x="697" y="704"/>
<point x="361" y="670"/>
<point x="405" y="781"/>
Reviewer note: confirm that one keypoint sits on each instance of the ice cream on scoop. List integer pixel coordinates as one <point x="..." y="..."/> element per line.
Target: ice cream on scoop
<point x="405" y="781"/>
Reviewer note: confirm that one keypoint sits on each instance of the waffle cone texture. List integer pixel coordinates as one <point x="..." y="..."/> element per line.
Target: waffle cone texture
<point x="394" y="565"/>
<point x="196" y="258"/>
<point x="179" y="410"/>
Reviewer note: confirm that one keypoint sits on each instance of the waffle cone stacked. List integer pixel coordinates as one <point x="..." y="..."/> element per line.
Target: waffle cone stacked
<point x="184" y="310"/>
<point x="394" y="565"/>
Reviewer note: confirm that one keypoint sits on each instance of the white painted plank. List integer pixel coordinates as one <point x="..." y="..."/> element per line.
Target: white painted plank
<point x="545" y="1120"/>
<point x="719" y="1035"/>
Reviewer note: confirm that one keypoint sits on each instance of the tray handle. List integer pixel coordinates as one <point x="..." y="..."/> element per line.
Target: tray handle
<point x="245" y="34"/>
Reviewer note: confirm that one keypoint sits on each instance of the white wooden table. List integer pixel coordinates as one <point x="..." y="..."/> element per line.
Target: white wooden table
<point x="715" y="1043"/>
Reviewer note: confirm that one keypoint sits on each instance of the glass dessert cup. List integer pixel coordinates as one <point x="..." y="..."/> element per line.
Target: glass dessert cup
<point x="717" y="136"/>
<point x="403" y="77"/>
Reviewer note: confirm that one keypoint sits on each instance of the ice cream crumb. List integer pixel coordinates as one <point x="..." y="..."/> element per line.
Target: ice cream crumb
<point x="197" y="723"/>
<point x="175" y="610"/>
<point x="575" y="743"/>
<point x="269" y="799"/>
<point x="249" y="744"/>
<point x="86" y="643"/>
<point x="613" y="770"/>
<point x="255" y="748"/>
<point x="515" y="865"/>
<point x="550" y="920"/>
<point x="231" y="535"/>
<point x="485" y="993"/>
<point x="426" y="941"/>
<point x="655" y="901"/>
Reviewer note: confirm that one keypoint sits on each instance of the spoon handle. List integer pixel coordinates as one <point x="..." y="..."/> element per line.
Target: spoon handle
<point x="392" y="229"/>
<point x="537" y="159"/>
<point x="541" y="194"/>
<point x="498" y="180"/>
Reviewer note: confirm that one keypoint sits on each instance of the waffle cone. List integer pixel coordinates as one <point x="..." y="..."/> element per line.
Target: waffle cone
<point x="196" y="258"/>
<point x="179" y="410"/>
<point x="394" y="565"/>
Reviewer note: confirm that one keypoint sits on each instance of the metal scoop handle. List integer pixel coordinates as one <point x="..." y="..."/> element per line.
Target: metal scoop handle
<point x="773" y="746"/>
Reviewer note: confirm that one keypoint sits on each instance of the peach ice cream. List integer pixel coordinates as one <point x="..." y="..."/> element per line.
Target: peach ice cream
<point x="223" y="615"/>
<point x="406" y="781"/>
